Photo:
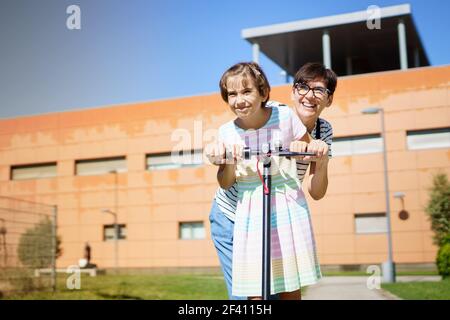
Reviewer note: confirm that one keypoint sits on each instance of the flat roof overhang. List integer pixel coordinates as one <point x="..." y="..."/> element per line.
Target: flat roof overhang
<point x="292" y="44"/>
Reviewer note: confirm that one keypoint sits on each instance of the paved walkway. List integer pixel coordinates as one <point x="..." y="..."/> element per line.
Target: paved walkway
<point x="355" y="288"/>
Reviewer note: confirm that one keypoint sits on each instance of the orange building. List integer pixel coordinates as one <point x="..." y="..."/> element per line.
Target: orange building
<point x="116" y="159"/>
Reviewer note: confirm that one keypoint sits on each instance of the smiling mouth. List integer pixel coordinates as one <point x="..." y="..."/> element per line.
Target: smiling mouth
<point x="309" y="106"/>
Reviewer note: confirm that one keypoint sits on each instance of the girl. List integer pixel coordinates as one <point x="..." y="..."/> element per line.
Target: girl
<point x="294" y="263"/>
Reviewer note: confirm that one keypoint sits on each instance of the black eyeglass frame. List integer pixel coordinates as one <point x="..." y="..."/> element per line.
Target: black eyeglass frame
<point x="296" y="85"/>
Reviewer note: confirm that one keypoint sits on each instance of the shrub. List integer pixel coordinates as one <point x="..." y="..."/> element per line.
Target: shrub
<point x="443" y="258"/>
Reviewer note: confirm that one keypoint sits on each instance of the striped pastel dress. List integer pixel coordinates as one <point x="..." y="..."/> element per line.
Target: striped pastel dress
<point x="293" y="253"/>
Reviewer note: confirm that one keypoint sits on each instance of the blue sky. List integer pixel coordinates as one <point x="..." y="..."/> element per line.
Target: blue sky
<point x="143" y="50"/>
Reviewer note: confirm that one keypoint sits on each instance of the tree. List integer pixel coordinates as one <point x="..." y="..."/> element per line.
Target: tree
<point x="438" y="208"/>
<point x="35" y="248"/>
<point x="439" y="211"/>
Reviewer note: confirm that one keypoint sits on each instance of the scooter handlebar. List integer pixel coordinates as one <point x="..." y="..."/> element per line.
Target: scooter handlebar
<point x="280" y="153"/>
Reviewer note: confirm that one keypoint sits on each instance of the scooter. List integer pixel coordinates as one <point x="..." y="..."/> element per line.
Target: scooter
<point x="266" y="154"/>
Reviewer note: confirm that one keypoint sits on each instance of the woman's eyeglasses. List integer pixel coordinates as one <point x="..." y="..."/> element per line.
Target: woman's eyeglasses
<point x="318" y="92"/>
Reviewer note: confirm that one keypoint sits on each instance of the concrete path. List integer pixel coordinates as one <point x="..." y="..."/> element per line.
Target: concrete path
<point x="355" y="288"/>
<point x="418" y="278"/>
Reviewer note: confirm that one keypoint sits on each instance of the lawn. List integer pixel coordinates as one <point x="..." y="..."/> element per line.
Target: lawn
<point x="362" y="273"/>
<point x="420" y="290"/>
<point x="196" y="287"/>
<point x="149" y="287"/>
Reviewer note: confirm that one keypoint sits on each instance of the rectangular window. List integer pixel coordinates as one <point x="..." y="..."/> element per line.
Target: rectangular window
<point x="33" y="171"/>
<point x="175" y="160"/>
<point x="109" y="232"/>
<point x="346" y="146"/>
<point x="100" y="166"/>
<point x="370" y="223"/>
<point x="428" y="139"/>
<point x="192" y="230"/>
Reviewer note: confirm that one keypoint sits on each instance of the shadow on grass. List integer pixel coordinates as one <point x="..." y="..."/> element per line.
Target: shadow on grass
<point x="121" y="292"/>
<point x="117" y="296"/>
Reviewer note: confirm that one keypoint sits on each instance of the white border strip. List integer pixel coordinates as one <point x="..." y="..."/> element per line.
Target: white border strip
<point x="322" y="22"/>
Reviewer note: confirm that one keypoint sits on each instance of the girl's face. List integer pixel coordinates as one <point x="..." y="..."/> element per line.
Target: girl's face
<point x="243" y="97"/>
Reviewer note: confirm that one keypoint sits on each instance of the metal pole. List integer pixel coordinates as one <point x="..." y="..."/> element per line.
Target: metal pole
<point x="326" y="48"/>
<point x="416" y="58"/>
<point x="116" y="227"/>
<point x="116" y="243"/>
<point x="349" y="65"/>
<point x="389" y="271"/>
<point x="255" y="48"/>
<point x="54" y="247"/>
<point x="285" y="75"/>
<point x="402" y="45"/>
<point x="3" y="234"/>
<point x="266" y="261"/>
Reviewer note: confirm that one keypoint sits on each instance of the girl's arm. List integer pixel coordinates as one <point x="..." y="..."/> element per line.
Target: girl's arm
<point x="226" y="175"/>
<point x="216" y="154"/>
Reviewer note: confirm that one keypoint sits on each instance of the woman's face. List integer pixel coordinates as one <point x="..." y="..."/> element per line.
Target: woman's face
<point x="309" y="106"/>
<point x="243" y="97"/>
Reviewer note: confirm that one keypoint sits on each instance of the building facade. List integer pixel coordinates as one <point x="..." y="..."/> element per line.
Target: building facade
<point x="97" y="163"/>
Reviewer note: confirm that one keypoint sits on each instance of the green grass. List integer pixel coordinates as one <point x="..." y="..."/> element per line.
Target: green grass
<point x="344" y="273"/>
<point x="140" y="287"/>
<point x="420" y="290"/>
<point x="201" y="287"/>
<point x="362" y="273"/>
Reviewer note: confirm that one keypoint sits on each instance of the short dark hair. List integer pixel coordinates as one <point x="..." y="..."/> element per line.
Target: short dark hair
<point x="250" y="70"/>
<point x="315" y="71"/>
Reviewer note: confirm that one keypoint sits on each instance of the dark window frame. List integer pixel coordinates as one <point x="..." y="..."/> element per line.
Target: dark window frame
<point x="32" y="165"/>
<point x="121" y="226"/>
<point x="93" y="160"/>
<point x="181" y="153"/>
<point x="369" y="215"/>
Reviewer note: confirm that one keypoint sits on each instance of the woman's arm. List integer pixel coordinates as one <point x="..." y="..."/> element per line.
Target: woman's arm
<point x="318" y="179"/>
<point x="318" y="171"/>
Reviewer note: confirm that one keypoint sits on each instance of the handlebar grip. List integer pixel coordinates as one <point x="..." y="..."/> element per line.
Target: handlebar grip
<point x="294" y="154"/>
<point x="247" y="153"/>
